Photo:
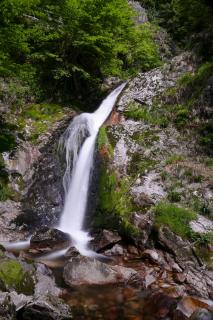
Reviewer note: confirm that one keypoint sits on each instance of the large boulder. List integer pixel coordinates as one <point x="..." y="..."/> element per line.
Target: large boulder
<point x="45" y="308"/>
<point x="45" y="240"/>
<point x="87" y="271"/>
<point x="104" y="239"/>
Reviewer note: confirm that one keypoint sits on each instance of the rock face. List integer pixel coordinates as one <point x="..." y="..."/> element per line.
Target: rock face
<point x="87" y="271"/>
<point x="45" y="240"/>
<point x="43" y="200"/>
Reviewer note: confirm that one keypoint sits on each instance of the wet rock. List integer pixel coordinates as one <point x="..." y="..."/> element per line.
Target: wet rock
<point x="116" y="250"/>
<point x="83" y="270"/>
<point x="7" y="308"/>
<point x="152" y="255"/>
<point x="42" y="201"/>
<point x="45" y="282"/>
<point x="19" y="300"/>
<point x="202" y="314"/>
<point x="158" y="306"/>
<point x="188" y="305"/>
<point x="104" y="239"/>
<point x="179" y="277"/>
<point x="72" y="252"/>
<point x="45" y="308"/>
<point x="45" y="240"/>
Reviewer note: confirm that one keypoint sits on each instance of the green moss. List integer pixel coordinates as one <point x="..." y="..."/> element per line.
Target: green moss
<point x="102" y="138"/>
<point x="5" y="191"/>
<point x="115" y="205"/>
<point x="146" y="138"/>
<point x="176" y="218"/>
<point x="14" y="277"/>
<point x="140" y="165"/>
<point x="136" y="112"/>
<point x="42" y="111"/>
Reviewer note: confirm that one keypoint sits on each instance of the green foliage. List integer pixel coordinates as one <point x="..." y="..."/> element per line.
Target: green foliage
<point x="176" y="218"/>
<point x="182" y="18"/>
<point x="68" y="45"/>
<point x="13" y="276"/>
<point x="136" y="112"/>
<point x="174" y="158"/>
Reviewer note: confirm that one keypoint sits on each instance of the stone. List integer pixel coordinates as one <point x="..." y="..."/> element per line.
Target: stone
<point x="202" y="314"/>
<point x="45" y="308"/>
<point x="87" y="271"/>
<point x="149" y="279"/>
<point x="45" y="240"/>
<point x="104" y="239"/>
<point x="45" y="282"/>
<point x="190" y="304"/>
<point x="201" y="225"/>
<point x="179" y="277"/>
<point x="132" y="250"/>
<point x="72" y="252"/>
<point x="7" y="307"/>
<point x="116" y="250"/>
<point x="152" y="256"/>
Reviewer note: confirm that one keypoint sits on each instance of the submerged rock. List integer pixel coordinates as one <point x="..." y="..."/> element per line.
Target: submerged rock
<point x="202" y="314"/>
<point x="87" y="271"/>
<point x="45" y="240"/>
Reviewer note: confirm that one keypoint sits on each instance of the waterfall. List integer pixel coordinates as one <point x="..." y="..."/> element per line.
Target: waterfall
<point x="79" y="144"/>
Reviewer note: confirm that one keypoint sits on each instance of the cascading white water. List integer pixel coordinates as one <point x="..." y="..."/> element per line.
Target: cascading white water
<point x="79" y="157"/>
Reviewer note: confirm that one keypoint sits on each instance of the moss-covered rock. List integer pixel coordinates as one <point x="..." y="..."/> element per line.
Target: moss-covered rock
<point x="14" y="276"/>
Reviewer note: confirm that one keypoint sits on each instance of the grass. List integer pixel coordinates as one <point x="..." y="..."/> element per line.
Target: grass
<point x="174" y="158"/>
<point x="177" y="218"/>
<point x="136" y="112"/>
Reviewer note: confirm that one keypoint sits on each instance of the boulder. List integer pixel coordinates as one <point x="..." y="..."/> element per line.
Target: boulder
<point x="104" y="239"/>
<point x="45" y="240"/>
<point x="153" y="256"/>
<point x="45" y="282"/>
<point x="45" y="308"/>
<point x="72" y="252"/>
<point x="87" y="271"/>
<point x="116" y="250"/>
